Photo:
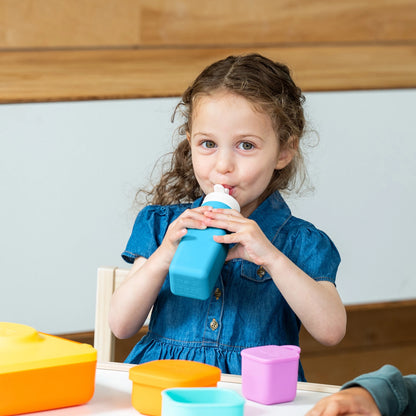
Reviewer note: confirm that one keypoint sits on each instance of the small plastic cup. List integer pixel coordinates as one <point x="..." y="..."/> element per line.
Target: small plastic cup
<point x="202" y="402"/>
<point x="270" y="373"/>
<point x="149" y="379"/>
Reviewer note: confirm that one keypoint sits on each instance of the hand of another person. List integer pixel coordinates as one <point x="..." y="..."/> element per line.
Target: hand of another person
<point x="354" y="401"/>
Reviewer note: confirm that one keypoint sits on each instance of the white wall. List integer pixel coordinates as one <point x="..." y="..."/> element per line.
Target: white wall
<point x="68" y="177"/>
<point x="69" y="173"/>
<point x="364" y="173"/>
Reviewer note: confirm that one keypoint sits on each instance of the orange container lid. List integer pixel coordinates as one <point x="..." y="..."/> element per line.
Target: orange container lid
<point x="23" y="348"/>
<point x="174" y="373"/>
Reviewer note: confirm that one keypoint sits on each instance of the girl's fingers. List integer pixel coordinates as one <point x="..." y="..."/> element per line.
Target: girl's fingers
<point x="192" y="215"/>
<point x="227" y="238"/>
<point x="230" y="221"/>
<point x="220" y="212"/>
<point x="191" y="218"/>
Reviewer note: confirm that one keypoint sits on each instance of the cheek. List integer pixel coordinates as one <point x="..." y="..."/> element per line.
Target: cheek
<point x="201" y="170"/>
<point x="260" y="175"/>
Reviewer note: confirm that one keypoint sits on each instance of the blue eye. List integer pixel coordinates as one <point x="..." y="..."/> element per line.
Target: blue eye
<point x="208" y="144"/>
<point x="246" y="146"/>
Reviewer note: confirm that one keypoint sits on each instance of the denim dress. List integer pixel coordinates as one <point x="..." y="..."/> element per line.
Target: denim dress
<point x="246" y="309"/>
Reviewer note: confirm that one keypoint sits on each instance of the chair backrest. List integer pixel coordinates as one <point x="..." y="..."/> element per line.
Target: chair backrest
<point x="108" y="279"/>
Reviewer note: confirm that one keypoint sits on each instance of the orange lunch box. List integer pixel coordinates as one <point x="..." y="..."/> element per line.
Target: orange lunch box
<point x="149" y="379"/>
<point x="42" y="372"/>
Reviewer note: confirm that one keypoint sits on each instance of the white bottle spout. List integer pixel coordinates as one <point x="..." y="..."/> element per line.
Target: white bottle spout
<point x="219" y="188"/>
<point x="222" y="194"/>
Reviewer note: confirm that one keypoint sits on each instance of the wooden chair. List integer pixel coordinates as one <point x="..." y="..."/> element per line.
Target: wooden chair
<point x="108" y="280"/>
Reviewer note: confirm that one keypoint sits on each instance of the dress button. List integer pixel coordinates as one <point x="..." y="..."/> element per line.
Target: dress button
<point x="214" y="324"/>
<point x="261" y="272"/>
<point x="217" y="293"/>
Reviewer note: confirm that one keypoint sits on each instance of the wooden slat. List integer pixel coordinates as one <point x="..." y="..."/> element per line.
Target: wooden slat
<point x="103" y="339"/>
<point x="93" y="23"/>
<point x="272" y="22"/>
<point x="337" y="368"/>
<point x="377" y="334"/>
<point x="36" y="76"/>
<point x="68" y="24"/>
<point x="369" y="44"/>
<point x="374" y="325"/>
<point x="83" y="337"/>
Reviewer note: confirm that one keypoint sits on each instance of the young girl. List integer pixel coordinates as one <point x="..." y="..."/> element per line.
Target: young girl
<point x="243" y="123"/>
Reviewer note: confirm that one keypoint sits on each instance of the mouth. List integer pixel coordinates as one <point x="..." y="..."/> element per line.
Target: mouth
<point x="230" y="189"/>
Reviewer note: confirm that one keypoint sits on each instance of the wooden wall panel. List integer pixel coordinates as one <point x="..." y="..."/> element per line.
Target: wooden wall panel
<point x="340" y="366"/>
<point x="68" y="24"/>
<point x="104" y="74"/>
<point x="265" y="22"/>
<point x="377" y="334"/>
<point x="54" y="50"/>
<point x="373" y="325"/>
<point x="138" y="23"/>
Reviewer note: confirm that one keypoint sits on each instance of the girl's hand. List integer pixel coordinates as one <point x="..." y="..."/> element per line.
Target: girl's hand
<point x="317" y="304"/>
<point x="251" y="243"/>
<point x="191" y="218"/>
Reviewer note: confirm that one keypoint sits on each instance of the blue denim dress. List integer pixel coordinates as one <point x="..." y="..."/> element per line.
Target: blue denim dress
<point x="246" y="309"/>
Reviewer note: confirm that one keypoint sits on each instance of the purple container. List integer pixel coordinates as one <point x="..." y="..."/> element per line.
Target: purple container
<point x="270" y="373"/>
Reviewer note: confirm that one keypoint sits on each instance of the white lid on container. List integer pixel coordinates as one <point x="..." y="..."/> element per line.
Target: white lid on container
<point x="221" y="194"/>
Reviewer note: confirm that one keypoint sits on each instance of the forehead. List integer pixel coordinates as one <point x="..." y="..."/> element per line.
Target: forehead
<point x="231" y="98"/>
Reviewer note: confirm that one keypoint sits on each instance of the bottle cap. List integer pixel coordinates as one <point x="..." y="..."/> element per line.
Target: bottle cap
<point x="221" y="194"/>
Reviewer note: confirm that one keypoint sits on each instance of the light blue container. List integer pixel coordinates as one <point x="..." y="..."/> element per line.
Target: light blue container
<point x="198" y="260"/>
<point x="204" y="401"/>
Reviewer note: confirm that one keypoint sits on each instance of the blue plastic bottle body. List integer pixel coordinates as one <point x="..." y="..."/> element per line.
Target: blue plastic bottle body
<point x="198" y="261"/>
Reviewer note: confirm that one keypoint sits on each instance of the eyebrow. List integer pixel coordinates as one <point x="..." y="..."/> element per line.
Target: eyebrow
<point x="239" y="136"/>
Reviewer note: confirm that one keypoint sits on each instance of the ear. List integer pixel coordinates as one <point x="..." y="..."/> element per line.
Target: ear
<point x="188" y="137"/>
<point x="286" y="154"/>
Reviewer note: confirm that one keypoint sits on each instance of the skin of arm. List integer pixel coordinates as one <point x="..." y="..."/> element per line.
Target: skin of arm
<point x="132" y="301"/>
<point x="317" y="304"/>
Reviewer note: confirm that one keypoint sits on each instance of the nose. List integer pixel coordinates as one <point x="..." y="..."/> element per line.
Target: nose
<point x="225" y="162"/>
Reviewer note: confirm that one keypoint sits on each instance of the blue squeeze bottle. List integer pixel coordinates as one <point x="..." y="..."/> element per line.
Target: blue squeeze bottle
<point x="198" y="260"/>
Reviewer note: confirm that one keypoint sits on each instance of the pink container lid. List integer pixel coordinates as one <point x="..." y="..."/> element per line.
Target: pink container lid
<point x="272" y="353"/>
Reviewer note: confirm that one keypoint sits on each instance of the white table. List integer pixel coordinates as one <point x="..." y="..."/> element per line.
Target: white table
<point x="113" y="396"/>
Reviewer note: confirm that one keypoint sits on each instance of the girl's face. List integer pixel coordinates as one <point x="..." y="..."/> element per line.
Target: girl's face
<point x="234" y="145"/>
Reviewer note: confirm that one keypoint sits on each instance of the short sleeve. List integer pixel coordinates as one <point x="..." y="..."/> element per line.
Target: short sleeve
<point x="148" y="232"/>
<point x="315" y="253"/>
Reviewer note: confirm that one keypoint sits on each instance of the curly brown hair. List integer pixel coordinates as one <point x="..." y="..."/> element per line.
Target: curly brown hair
<point x="269" y="87"/>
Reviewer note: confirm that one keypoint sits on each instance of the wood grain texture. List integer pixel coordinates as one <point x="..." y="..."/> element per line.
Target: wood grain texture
<point x="55" y="50"/>
<point x="273" y="22"/>
<point x="161" y="23"/>
<point x="343" y="365"/>
<point x="36" y="76"/>
<point x="377" y="334"/>
<point x="68" y="24"/>
<point x="374" y="325"/>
